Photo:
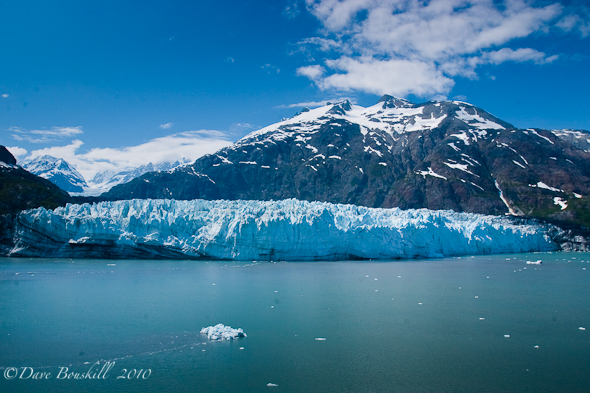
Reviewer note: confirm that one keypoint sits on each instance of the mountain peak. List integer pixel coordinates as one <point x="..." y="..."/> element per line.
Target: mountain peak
<point x="395" y="102"/>
<point x="58" y="171"/>
<point x="341" y="108"/>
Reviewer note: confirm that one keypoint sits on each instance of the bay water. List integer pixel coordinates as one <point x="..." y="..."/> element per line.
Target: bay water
<point x="469" y="324"/>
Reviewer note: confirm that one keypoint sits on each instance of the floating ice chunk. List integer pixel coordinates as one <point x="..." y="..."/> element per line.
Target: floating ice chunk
<point x="320" y="338"/>
<point x="536" y="346"/>
<point x="271" y="384"/>
<point x="482" y="319"/>
<point x="507" y="335"/>
<point x="582" y="328"/>
<point x="220" y="331"/>
<point x="537" y="262"/>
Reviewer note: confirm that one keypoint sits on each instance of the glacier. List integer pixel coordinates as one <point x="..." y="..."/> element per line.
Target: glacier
<point x="286" y="230"/>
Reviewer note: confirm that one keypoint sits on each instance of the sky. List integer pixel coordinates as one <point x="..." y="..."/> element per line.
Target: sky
<point x="114" y="84"/>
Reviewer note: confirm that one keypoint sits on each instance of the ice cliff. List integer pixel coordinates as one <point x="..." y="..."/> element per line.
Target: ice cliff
<point x="254" y="230"/>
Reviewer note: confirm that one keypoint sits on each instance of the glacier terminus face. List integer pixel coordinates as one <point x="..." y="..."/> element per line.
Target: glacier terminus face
<point x="289" y="230"/>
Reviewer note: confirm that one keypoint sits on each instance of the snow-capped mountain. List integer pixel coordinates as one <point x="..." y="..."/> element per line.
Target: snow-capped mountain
<point x="435" y="155"/>
<point x="104" y="181"/>
<point x="66" y="177"/>
<point x="57" y="171"/>
<point x="256" y="230"/>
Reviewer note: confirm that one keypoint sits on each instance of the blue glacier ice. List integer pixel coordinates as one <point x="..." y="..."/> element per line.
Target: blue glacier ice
<point x="272" y="230"/>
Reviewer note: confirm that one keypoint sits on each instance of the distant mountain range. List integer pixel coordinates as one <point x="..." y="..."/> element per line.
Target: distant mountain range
<point x="104" y="181"/>
<point x="64" y="175"/>
<point x="435" y="155"/>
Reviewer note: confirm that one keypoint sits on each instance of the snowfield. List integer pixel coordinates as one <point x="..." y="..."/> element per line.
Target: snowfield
<point x="289" y="230"/>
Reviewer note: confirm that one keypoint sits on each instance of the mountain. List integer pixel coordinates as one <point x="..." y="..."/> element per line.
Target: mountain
<point x="20" y="189"/>
<point x="256" y="230"/>
<point x="105" y="180"/>
<point x="65" y="175"/>
<point x="57" y="171"/>
<point x="435" y="155"/>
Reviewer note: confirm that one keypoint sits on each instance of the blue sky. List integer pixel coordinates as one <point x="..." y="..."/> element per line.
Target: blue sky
<point x="112" y="84"/>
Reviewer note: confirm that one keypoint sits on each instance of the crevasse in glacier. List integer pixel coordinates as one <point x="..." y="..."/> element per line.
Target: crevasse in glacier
<point x="272" y="230"/>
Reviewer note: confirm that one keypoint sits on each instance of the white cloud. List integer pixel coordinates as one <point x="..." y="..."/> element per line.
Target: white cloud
<point x="45" y="136"/>
<point x="417" y="46"/>
<point x="269" y="68"/>
<point x="313" y="72"/>
<point x="17" y="151"/>
<point x="5" y="95"/>
<point x="230" y="60"/>
<point x="576" y="21"/>
<point x="166" y="126"/>
<point x="519" y="55"/>
<point x="187" y="146"/>
<point x="397" y="77"/>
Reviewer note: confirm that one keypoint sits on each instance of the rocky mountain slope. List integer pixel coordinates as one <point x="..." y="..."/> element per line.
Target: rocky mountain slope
<point x="435" y="155"/>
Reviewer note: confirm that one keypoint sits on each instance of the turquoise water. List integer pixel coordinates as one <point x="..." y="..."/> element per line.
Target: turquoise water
<point x="401" y="326"/>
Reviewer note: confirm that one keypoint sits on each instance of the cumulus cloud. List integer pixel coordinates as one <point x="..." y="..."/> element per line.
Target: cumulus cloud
<point x="313" y="72"/>
<point x="183" y="146"/>
<point x="44" y="136"/>
<point x="402" y="77"/>
<point x="166" y="126"/>
<point x="416" y="47"/>
<point x="5" y="95"/>
<point x="17" y="151"/>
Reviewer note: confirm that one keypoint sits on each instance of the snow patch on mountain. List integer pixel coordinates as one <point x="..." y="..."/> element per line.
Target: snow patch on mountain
<point x="255" y="230"/>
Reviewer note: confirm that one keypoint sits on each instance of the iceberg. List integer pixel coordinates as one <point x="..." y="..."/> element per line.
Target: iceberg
<point x="222" y="332"/>
<point x="289" y="230"/>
